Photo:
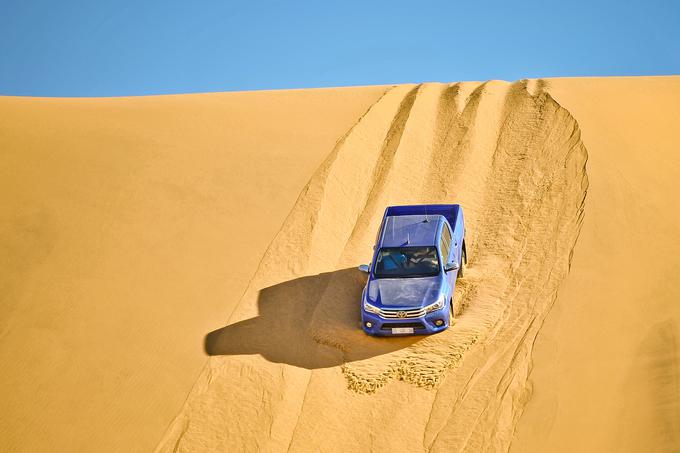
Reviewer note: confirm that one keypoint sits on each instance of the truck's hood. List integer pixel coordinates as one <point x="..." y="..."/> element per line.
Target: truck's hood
<point x="404" y="292"/>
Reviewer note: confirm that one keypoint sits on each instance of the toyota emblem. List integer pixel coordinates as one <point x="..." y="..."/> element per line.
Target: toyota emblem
<point x="401" y="314"/>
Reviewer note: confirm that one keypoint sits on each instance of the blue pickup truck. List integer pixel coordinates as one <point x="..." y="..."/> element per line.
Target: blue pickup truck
<point x="418" y="255"/>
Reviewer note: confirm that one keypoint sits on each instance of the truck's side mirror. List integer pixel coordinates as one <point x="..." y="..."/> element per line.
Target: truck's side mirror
<point x="451" y="266"/>
<point x="364" y="268"/>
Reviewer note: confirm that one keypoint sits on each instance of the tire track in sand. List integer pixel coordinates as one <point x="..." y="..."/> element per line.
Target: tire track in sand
<point x="524" y="219"/>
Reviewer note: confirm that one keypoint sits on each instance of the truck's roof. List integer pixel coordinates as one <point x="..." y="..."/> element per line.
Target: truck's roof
<point x="410" y="230"/>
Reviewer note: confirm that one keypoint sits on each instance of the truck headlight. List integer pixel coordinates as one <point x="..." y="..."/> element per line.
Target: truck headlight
<point x="435" y="306"/>
<point x="370" y="308"/>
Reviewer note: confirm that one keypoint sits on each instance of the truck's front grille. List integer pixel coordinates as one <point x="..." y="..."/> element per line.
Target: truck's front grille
<point x="402" y="314"/>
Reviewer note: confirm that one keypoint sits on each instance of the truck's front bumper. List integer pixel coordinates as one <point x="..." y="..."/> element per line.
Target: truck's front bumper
<point x="424" y="325"/>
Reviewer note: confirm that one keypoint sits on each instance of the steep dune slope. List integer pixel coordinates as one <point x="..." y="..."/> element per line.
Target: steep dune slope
<point x="606" y="373"/>
<point x="291" y="369"/>
<point x="122" y="226"/>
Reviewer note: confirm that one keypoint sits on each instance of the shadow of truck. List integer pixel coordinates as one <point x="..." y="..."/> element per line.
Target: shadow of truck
<point x="281" y="331"/>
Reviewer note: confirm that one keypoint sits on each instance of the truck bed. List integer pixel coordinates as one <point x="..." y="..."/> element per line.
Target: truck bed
<point x="449" y="211"/>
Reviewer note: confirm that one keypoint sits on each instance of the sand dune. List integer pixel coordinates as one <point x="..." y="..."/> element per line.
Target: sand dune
<point x="519" y="167"/>
<point x="121" y="245"/>
<point x="122" y="212"/>
<point x="606" y="372"/>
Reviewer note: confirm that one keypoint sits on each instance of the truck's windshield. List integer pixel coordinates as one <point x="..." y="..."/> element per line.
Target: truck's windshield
<point x="407" y="262"/>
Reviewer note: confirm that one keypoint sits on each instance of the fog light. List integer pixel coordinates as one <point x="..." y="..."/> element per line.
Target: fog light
<point x="369" y="324"/>
<point x="439" y="322"/>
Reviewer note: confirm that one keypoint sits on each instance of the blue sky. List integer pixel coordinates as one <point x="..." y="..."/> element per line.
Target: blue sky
<point x="114" y="48"/>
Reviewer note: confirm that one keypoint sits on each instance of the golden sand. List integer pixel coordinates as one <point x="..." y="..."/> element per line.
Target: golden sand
<point x="129" y="228"/>
<point x="179" y="271"/>
<point x="607" y="363"/>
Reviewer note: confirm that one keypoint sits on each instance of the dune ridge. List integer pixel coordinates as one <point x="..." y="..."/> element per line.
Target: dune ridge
<point x="292" y="349"/>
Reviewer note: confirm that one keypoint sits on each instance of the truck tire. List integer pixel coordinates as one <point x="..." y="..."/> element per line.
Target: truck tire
<point x="463" y="262"/>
